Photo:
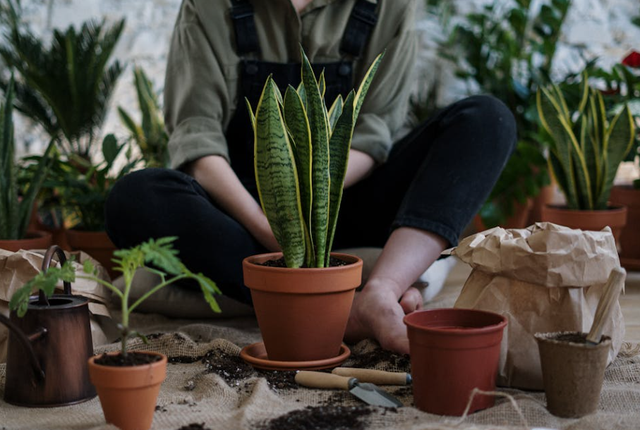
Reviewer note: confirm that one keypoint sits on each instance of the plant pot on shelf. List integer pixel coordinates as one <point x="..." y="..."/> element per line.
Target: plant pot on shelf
<point x="615" y="217"/>
<point x="453" y="351"/>
<point x="128" y="394"/>
<point x="95" y="243"/>
<point x="33" y="240"/>
<point x="626" y="195"/>
<point x="303" y="312"/>
<point x="572" y="372"/>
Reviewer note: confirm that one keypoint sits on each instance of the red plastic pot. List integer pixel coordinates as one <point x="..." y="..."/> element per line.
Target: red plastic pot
<point x="452" y="352"/>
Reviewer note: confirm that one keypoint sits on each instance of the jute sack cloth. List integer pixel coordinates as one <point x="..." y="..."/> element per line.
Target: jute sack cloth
<point x="545" y="278"/>
<point x="17" y="268"/>
<point x="194" y="393"/>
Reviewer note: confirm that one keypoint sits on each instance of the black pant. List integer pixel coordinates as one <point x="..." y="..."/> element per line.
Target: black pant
<point x="435" y="179"/>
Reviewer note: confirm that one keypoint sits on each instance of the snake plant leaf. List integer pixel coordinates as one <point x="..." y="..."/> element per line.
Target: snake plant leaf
<point x="619" y="140"/>
<point x="303" y="94"/>
<point x="335" y="112"/>
<point x="339" y="147"/>
<point x="277" y="178"/>
<point x="366" y="83"/>
<point x="589" y="149"/>
<point x="550" y="111"/>
<point x="319" y="128"/>
<point x="322" y="85"/>
<point x="583" y="183"/>
<point x="298" y="125"/>
<point x="252" y="116"/>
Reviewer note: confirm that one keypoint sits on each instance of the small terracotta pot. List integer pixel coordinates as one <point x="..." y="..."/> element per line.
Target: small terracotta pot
<point x="33" y="240"/>
<point x="453" y="351"/>
<point x="572" y="373"/>
<point x="128" y="394"/>
<point x="95" y="243"/>
<point x="302" y="313"/>
<point x="616" y="218"/>
<point x="626" y="195"/>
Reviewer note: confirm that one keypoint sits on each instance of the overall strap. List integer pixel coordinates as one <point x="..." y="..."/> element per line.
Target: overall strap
<point x="245" y="27"/>
<point x="361" y="22"/>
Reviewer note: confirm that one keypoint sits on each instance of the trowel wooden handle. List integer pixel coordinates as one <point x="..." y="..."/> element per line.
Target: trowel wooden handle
<point x="378" y="377"/>
<point x="610" y="295"/>
<point x="311" y="379"/>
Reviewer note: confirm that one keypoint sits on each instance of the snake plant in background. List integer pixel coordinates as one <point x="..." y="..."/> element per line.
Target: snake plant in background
<point x="16" y="204"/>
<point x="301" y="155"/>
<point x="586" y="148"/>
<point x="150" y="135"/>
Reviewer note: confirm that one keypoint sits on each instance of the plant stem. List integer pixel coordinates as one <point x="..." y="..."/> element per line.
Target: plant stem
<point x="154" y="289"/>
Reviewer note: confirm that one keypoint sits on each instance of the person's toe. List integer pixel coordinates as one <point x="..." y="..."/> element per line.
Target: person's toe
<point x="411" y="300"/>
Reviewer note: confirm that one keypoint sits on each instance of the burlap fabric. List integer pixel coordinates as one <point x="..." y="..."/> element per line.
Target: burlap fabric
<point x="208" y="384"/>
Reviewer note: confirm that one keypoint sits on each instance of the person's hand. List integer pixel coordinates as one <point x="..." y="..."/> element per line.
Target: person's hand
<point x="377" y="314"/>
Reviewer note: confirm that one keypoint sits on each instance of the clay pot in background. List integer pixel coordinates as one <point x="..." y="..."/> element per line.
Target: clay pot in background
<point x="572" y="373"/>
<point x="616" y="218"/>
<point x="302" y="313"/>
<point x="33" y="240"/>
<point x="128" y="394"/>
<point x="452" y="352"/>
<point x="95" y="243"/>
<point x="626" y="195"/>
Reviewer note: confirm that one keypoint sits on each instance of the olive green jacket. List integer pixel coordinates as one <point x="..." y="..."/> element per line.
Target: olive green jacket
<point x="202" y="76"/>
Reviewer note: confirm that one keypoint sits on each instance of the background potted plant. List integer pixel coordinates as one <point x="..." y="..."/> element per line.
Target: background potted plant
<point x="585" y="152"/>
<point x="127" y="382"/>
<point x="303" y="308"/>
<point x="150" y="135"/>
<point x="507" y="50"/>
<point x="16" y="203"/>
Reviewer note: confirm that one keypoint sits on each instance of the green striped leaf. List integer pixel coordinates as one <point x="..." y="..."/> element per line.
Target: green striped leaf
<point x="366" y="83"/>
<point x="276" y="177"/>
<point x="298" y="125"/>
<point x="319" y="127"/>
<point x="339" y="147"/>
<point x="335" y="112"/>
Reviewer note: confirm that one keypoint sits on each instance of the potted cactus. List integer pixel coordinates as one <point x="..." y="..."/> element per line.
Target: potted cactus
<point x="585" y="152"/>
<point x="301" y="154"/>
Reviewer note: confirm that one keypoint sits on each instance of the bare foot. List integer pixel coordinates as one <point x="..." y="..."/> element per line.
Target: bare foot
<point x="377" y="314"/>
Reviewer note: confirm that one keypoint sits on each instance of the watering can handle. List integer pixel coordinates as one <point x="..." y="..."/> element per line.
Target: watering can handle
<point x="46" y="263"/>
<point x="22" y="338"/>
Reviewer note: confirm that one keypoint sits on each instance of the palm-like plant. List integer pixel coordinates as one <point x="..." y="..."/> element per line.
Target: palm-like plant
<point x="16" y="204"/>
<point x="151" y="134"/>
<point x="65" y="87"/>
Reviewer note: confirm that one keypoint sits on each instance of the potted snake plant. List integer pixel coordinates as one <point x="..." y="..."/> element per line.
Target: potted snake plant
<point x="302" y="296"/>
<point x="586" y="150"/>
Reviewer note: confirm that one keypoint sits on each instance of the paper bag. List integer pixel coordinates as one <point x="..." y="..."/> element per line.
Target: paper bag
<point x="545" y="278"/>
<point x="16" y="268"/>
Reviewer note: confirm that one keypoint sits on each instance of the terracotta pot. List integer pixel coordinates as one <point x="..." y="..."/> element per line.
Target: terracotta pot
<point x="616" y="218"/>
<point x="545" y="197"/>
<point x="302" y="313"/>
<point x="572" y="374"/>
<point x="128" y="394"/>
<point x="95" y="243"/>
<point x="626" y="195"/>
<point x="33" y="240"/>
<point x="452" y="352"/>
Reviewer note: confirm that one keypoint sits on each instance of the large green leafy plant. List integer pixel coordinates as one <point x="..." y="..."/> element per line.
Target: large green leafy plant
<point x="507" y="50"/>
<point x="64" y="87"/>
<point x="301" y="155"/>
<point x="155" y="256"/>
<point x="16" y="202"/>
<point x="586" y="148"/>
<point x="150" y="135"/>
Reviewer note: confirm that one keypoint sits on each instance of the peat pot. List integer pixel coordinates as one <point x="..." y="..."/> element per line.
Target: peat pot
<point x="48" y="349"/>
<point x="128" y="394"/>
<point x="572" y="372"/>
<point x="302" y="313"/>
<point x="452" y="352"/>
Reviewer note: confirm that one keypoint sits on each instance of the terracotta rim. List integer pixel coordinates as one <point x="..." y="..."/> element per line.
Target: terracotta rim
<point x="256" y="355"/>
<point x="410" y="320"/>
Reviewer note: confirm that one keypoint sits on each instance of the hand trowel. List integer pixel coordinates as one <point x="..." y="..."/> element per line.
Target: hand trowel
<point x="369" y="393"/>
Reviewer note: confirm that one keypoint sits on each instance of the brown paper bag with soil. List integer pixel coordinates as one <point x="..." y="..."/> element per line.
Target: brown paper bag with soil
<point x="16" y="268"/>
<point x="544" y="278"/>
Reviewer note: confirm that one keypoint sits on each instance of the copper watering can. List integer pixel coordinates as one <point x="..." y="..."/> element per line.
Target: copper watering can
<point x="49" y="348"/>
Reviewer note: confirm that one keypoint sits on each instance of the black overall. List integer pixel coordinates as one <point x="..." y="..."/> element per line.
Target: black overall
<point x="435" y="179"/>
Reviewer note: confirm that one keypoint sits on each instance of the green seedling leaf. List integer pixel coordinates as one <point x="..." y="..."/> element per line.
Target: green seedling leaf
<point x="162" y="254"/>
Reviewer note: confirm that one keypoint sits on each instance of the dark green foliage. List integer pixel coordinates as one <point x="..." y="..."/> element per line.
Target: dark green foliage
<point x="508" y="50"/>
<point x="45" y="281"/>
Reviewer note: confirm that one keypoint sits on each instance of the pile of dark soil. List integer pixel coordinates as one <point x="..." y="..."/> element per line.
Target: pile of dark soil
<point x="320" y="418"/>
<point x="131" y="359"/>
<point x="333" y="262"/>
<point x="372" y="359"/>
<point x="194" y="426"/>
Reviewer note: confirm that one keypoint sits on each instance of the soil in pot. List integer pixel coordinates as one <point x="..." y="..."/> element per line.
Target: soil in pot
<point x="572" y="371"/>
<point x="128" y="393"/>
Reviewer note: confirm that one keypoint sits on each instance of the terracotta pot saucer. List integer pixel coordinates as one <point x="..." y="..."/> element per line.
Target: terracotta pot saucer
<point x="256" y="355"/>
